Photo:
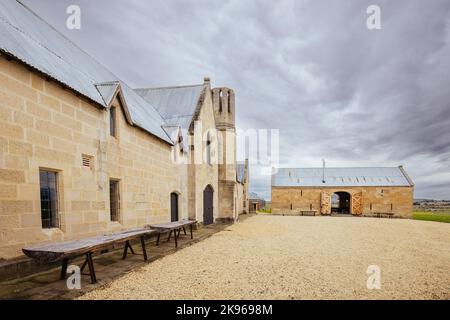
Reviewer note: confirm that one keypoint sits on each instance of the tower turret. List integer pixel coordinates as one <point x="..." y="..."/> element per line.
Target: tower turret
<point x="224" y="114"/>
<point x="224" y="107"/>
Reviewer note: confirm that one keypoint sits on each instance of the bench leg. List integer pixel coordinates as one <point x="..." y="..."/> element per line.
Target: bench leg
<point x="91" y="267"/>
<point x="83" y="265"/>
<point x="144" y="252"/>
<point x="170" y="234"/>
<point x="64" y="269"/>
<point x="192" y="237"/>
<point x="176" y="238"/>
<point x="179" y="231"/>
<point x="157" y="239"/>
<point x="131" y="248"/>
<point x="125" y="250"/>
<point x="184" y="230"/>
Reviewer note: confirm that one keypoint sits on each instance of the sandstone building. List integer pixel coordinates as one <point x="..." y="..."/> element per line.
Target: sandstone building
<point x="82" y="153"/>
<point x="256" y="203"/>
<point x="356" y="191"/>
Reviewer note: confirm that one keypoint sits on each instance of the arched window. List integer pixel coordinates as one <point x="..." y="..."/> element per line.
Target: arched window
<point x="220" y="100"/>
<point x="208" y="149"/>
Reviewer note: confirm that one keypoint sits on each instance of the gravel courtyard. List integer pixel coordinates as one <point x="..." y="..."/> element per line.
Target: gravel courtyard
<point x="275" y="257"/>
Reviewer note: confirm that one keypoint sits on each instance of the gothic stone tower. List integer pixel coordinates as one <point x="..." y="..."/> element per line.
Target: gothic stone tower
<point x="224" y="113"/>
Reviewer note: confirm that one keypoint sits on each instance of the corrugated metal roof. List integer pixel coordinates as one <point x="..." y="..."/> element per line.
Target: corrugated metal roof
<point x="30" y="39"/>
<point x="339" y="177"/>
<point x="177" y="105"/>
<point x="253" y="196"/>
<point x="107" y="91"/>
<point x="240" y="172"/>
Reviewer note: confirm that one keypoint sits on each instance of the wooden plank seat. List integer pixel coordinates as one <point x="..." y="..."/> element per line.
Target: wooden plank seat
<point x="173" y="227"/>
<point x="384" y="214"/>
<point x="308" y="212"/>
<point x="64" y="251"/>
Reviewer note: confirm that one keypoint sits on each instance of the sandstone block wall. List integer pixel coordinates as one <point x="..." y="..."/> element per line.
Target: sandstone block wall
<point x="43" y="125"/>
<point x="202" y="174"/>
<point x="290" y="200"/>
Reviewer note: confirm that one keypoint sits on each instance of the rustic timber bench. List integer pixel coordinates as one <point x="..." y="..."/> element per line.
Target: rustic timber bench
<point x="173" y="227"/>
<point x="384" y="214"/>
<point x="308" y="212"/>
<point x="64" y="251"/>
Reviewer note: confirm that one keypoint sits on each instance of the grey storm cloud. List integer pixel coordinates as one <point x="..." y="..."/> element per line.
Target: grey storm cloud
<point x="311" y="69"/>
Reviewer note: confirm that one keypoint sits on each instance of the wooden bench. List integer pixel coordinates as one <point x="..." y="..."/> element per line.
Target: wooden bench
<point x="381" y="214"/>
<point x="173" y="227"/>
<point x="64" y="251"/>
<point x="308" y="212"/>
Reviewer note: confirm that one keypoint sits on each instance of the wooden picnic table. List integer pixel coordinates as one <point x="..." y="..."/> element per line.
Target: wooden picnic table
<point x="174" y="227"/>
<point x="64" y="251"/>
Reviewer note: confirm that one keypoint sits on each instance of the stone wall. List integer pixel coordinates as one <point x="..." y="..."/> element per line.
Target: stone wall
<point x="242" y="192"/>
<point x="291" y="200"/>
<point x="201" y="173"/>
<point x="43" y="125"/>
<point x="224" y="113"/>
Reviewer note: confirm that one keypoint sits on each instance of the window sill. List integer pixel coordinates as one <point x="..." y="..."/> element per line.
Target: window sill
<point x="50" y="232"/>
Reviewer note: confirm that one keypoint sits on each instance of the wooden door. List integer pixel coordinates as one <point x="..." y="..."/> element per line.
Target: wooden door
<point x="357" y="207"/>
<point x="208" y="210"/>
<point x="173" y="207"/>
<point x="325" y="202"/>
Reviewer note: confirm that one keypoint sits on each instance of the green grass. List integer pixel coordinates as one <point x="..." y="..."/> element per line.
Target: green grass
<point x="432" y="216"/>
<point x="265" y="210"/>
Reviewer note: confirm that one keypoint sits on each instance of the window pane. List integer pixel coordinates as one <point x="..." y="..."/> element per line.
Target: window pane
<point x="112" y="122"/>
<point x="49" y="199"/>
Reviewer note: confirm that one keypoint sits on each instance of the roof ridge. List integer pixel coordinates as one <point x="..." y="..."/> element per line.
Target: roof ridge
<point x="63" y="36"/>
<point x="107" y="83"/>
<point x="171" y="87"/>
<point x="63" y="53"/>
<point x="381" y="167"/>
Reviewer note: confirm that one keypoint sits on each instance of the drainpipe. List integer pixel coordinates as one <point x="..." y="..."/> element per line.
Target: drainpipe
<point x="323" y="171"/>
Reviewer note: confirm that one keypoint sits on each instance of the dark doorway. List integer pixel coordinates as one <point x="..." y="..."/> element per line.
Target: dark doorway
<point x="340" y="203"/>
<point x="208" y="215"/>
<point x="173" y="207"/>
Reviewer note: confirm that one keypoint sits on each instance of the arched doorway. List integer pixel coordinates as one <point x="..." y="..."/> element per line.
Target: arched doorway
<point x="174" y="207"/>
<point x="208" y="212"/>
<point x="340" y="203"/>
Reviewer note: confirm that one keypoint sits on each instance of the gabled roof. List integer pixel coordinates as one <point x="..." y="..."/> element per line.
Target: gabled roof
<point x="340" y="177"/>
<point x="253" y="196"/>
<point x="29" y="39"/>
<point x="108" y="91"/>
<point x="178" y="137"/>
<point x="177" y="105"/>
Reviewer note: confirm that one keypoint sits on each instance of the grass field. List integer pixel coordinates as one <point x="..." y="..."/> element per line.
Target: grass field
<point x="440" y="216"/>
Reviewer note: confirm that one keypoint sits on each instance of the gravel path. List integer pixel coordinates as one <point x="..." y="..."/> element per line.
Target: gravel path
<point x="274" y="257"/>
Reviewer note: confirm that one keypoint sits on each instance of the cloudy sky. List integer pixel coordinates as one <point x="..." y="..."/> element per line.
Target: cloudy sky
<point x="312" y="69"/>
